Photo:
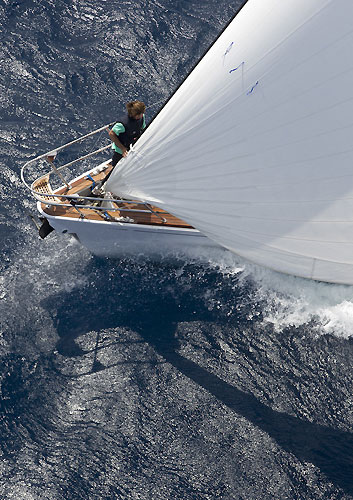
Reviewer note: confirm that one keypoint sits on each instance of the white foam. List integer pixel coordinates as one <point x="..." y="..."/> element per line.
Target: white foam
<point x="39" y="269"/>
<point x="292" y="301"/>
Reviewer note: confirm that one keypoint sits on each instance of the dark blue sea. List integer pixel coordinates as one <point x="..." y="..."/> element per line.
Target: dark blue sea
<point x="201" y="378"/>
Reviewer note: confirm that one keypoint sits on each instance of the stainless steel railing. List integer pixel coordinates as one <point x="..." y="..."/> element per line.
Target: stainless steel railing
<point x="76" y="199"/>
<point x="53" y="152"/>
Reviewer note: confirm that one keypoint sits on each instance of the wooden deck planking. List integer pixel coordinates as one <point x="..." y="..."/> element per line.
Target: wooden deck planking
<point x="83" y="183"/>
<point x="138" y="217"/>
<point x="89" y="214"/>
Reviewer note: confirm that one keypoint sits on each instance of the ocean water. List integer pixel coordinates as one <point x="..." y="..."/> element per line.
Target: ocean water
<point x="202" y="378"/>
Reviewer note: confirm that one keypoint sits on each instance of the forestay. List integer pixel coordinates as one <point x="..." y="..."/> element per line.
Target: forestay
<point x="255" y="149"/>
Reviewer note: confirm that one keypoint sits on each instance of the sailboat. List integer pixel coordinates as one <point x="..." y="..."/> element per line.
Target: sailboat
<point x="253" y="152"/>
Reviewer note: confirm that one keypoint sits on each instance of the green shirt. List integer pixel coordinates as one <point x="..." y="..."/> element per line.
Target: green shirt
<point x="119" y="129"/>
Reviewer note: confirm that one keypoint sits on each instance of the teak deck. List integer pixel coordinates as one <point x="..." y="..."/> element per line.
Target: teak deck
<point x="42" y="185"/>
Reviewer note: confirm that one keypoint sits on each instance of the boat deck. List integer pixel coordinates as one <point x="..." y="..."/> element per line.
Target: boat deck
<point x="135" y="211"/>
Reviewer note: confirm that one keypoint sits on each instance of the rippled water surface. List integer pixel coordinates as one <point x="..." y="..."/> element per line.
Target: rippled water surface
<point x="204" y="377"/>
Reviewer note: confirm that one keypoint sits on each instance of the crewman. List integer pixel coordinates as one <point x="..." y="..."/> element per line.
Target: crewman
<point x="127" y="130"/>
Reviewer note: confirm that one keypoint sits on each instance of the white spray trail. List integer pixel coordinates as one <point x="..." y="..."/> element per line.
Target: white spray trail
<point x="288" y="300"/>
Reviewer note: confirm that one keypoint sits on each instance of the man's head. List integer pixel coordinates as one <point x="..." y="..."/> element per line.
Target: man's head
<point x="135" y="109"/>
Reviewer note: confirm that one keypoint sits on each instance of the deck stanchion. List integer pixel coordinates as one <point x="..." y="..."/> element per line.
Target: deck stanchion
<point x="50" y="159"/>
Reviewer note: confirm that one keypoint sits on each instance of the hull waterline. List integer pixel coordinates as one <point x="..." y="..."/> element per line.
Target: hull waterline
<point x="116" y="239"/>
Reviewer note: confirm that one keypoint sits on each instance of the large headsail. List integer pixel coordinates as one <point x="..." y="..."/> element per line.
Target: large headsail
<point x="255" y="149"/>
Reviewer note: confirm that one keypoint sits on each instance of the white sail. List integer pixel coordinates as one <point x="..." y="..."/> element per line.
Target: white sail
<point x="255" y="149"/>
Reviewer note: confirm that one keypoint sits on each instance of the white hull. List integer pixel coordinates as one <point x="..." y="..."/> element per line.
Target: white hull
<point x="115" y="239"/>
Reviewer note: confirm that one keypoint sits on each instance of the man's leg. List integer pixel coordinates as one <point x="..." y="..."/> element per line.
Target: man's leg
<point x="115" y="159"/>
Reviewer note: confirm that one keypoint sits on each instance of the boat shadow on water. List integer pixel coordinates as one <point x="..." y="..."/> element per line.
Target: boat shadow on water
<point x="327" y="448"/>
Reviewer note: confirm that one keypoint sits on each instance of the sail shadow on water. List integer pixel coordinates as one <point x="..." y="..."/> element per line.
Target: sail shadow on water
<point x="126" y="292"/>
<point x="136" y="302"/>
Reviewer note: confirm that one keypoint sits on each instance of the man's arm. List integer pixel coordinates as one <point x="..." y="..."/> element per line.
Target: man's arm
<point x="114" y="138"/>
